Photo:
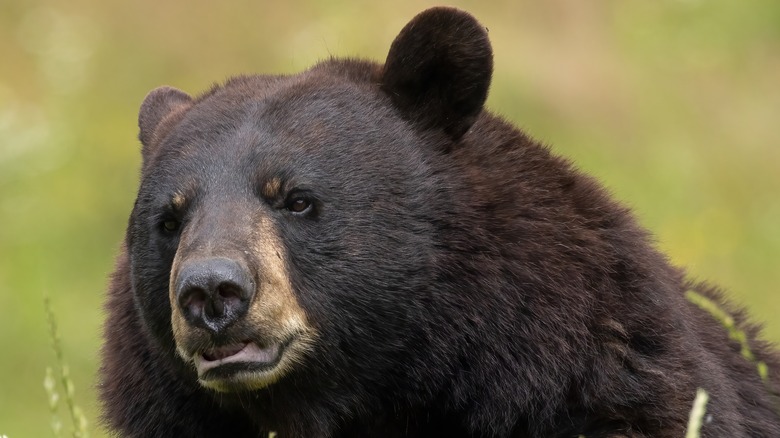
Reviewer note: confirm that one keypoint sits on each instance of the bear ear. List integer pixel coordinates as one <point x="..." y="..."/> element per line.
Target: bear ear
<point x="158" y="105"/>
<point x="438" y="70"/>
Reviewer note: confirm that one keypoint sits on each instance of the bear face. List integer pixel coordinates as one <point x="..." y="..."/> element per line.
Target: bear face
<point x="294" y="216"/>
<point x="363" y="250"/>
<point x="310" y="217"/>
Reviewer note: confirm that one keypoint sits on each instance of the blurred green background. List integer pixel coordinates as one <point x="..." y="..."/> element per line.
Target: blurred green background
<point x="675" y="105"/>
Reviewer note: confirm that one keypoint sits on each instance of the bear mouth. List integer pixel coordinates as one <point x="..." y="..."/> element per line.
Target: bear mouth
<point x="224" y="361"/>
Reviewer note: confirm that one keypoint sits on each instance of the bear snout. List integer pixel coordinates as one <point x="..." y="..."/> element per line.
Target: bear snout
<point x="214" y="293"/>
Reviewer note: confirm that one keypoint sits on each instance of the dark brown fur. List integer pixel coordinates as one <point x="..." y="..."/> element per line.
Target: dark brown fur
<point x="483" y="286"/>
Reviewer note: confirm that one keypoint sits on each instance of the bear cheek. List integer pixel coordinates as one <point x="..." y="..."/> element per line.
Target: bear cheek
<point x="275" y="309"/>
<point x="178" y="323"/>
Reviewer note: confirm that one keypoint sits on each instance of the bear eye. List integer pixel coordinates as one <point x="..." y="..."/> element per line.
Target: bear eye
<point x="170" y="225"/>
<point x="299" y="205"/>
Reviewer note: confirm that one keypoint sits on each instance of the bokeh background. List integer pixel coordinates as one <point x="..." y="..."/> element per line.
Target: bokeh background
<point x="674" y="104"/>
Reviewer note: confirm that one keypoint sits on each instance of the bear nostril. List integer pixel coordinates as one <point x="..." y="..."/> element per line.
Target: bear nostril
<point x="229" y="291"/>
<point x="193" y="302"/>
<point x="229" y="295"/>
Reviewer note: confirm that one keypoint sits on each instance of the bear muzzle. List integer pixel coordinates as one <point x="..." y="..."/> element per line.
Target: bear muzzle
<point x="241" y="329"/>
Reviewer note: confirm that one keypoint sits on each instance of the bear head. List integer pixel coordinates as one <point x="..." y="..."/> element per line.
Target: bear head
<point x="292" y="225"/>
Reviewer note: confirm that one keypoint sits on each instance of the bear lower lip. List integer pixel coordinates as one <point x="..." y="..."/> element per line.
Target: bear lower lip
<point x="248" y="353"/>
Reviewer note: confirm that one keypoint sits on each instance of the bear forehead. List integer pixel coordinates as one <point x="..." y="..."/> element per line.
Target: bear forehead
<point x="308" y="111"/>
<point x="318" y="125"/>
<point x="334" y="80"/>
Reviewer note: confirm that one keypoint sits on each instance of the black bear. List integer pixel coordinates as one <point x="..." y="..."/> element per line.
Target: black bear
<point x="362" y="250"/>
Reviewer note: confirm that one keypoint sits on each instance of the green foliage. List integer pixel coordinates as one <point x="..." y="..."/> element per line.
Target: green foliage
<point x="49" y="384"/>
<point x="77" y="417"/>
<point x="696" y="417"/>
<point x="735" y="333"/>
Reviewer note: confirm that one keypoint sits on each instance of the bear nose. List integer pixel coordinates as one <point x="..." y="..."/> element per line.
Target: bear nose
<point x="213" y="293"/>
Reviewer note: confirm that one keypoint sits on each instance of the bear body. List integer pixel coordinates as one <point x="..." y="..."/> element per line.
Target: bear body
<point x="361" y="250"/>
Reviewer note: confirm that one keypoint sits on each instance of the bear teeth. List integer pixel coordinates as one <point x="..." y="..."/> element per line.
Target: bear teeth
<point x="224" y="351"/>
